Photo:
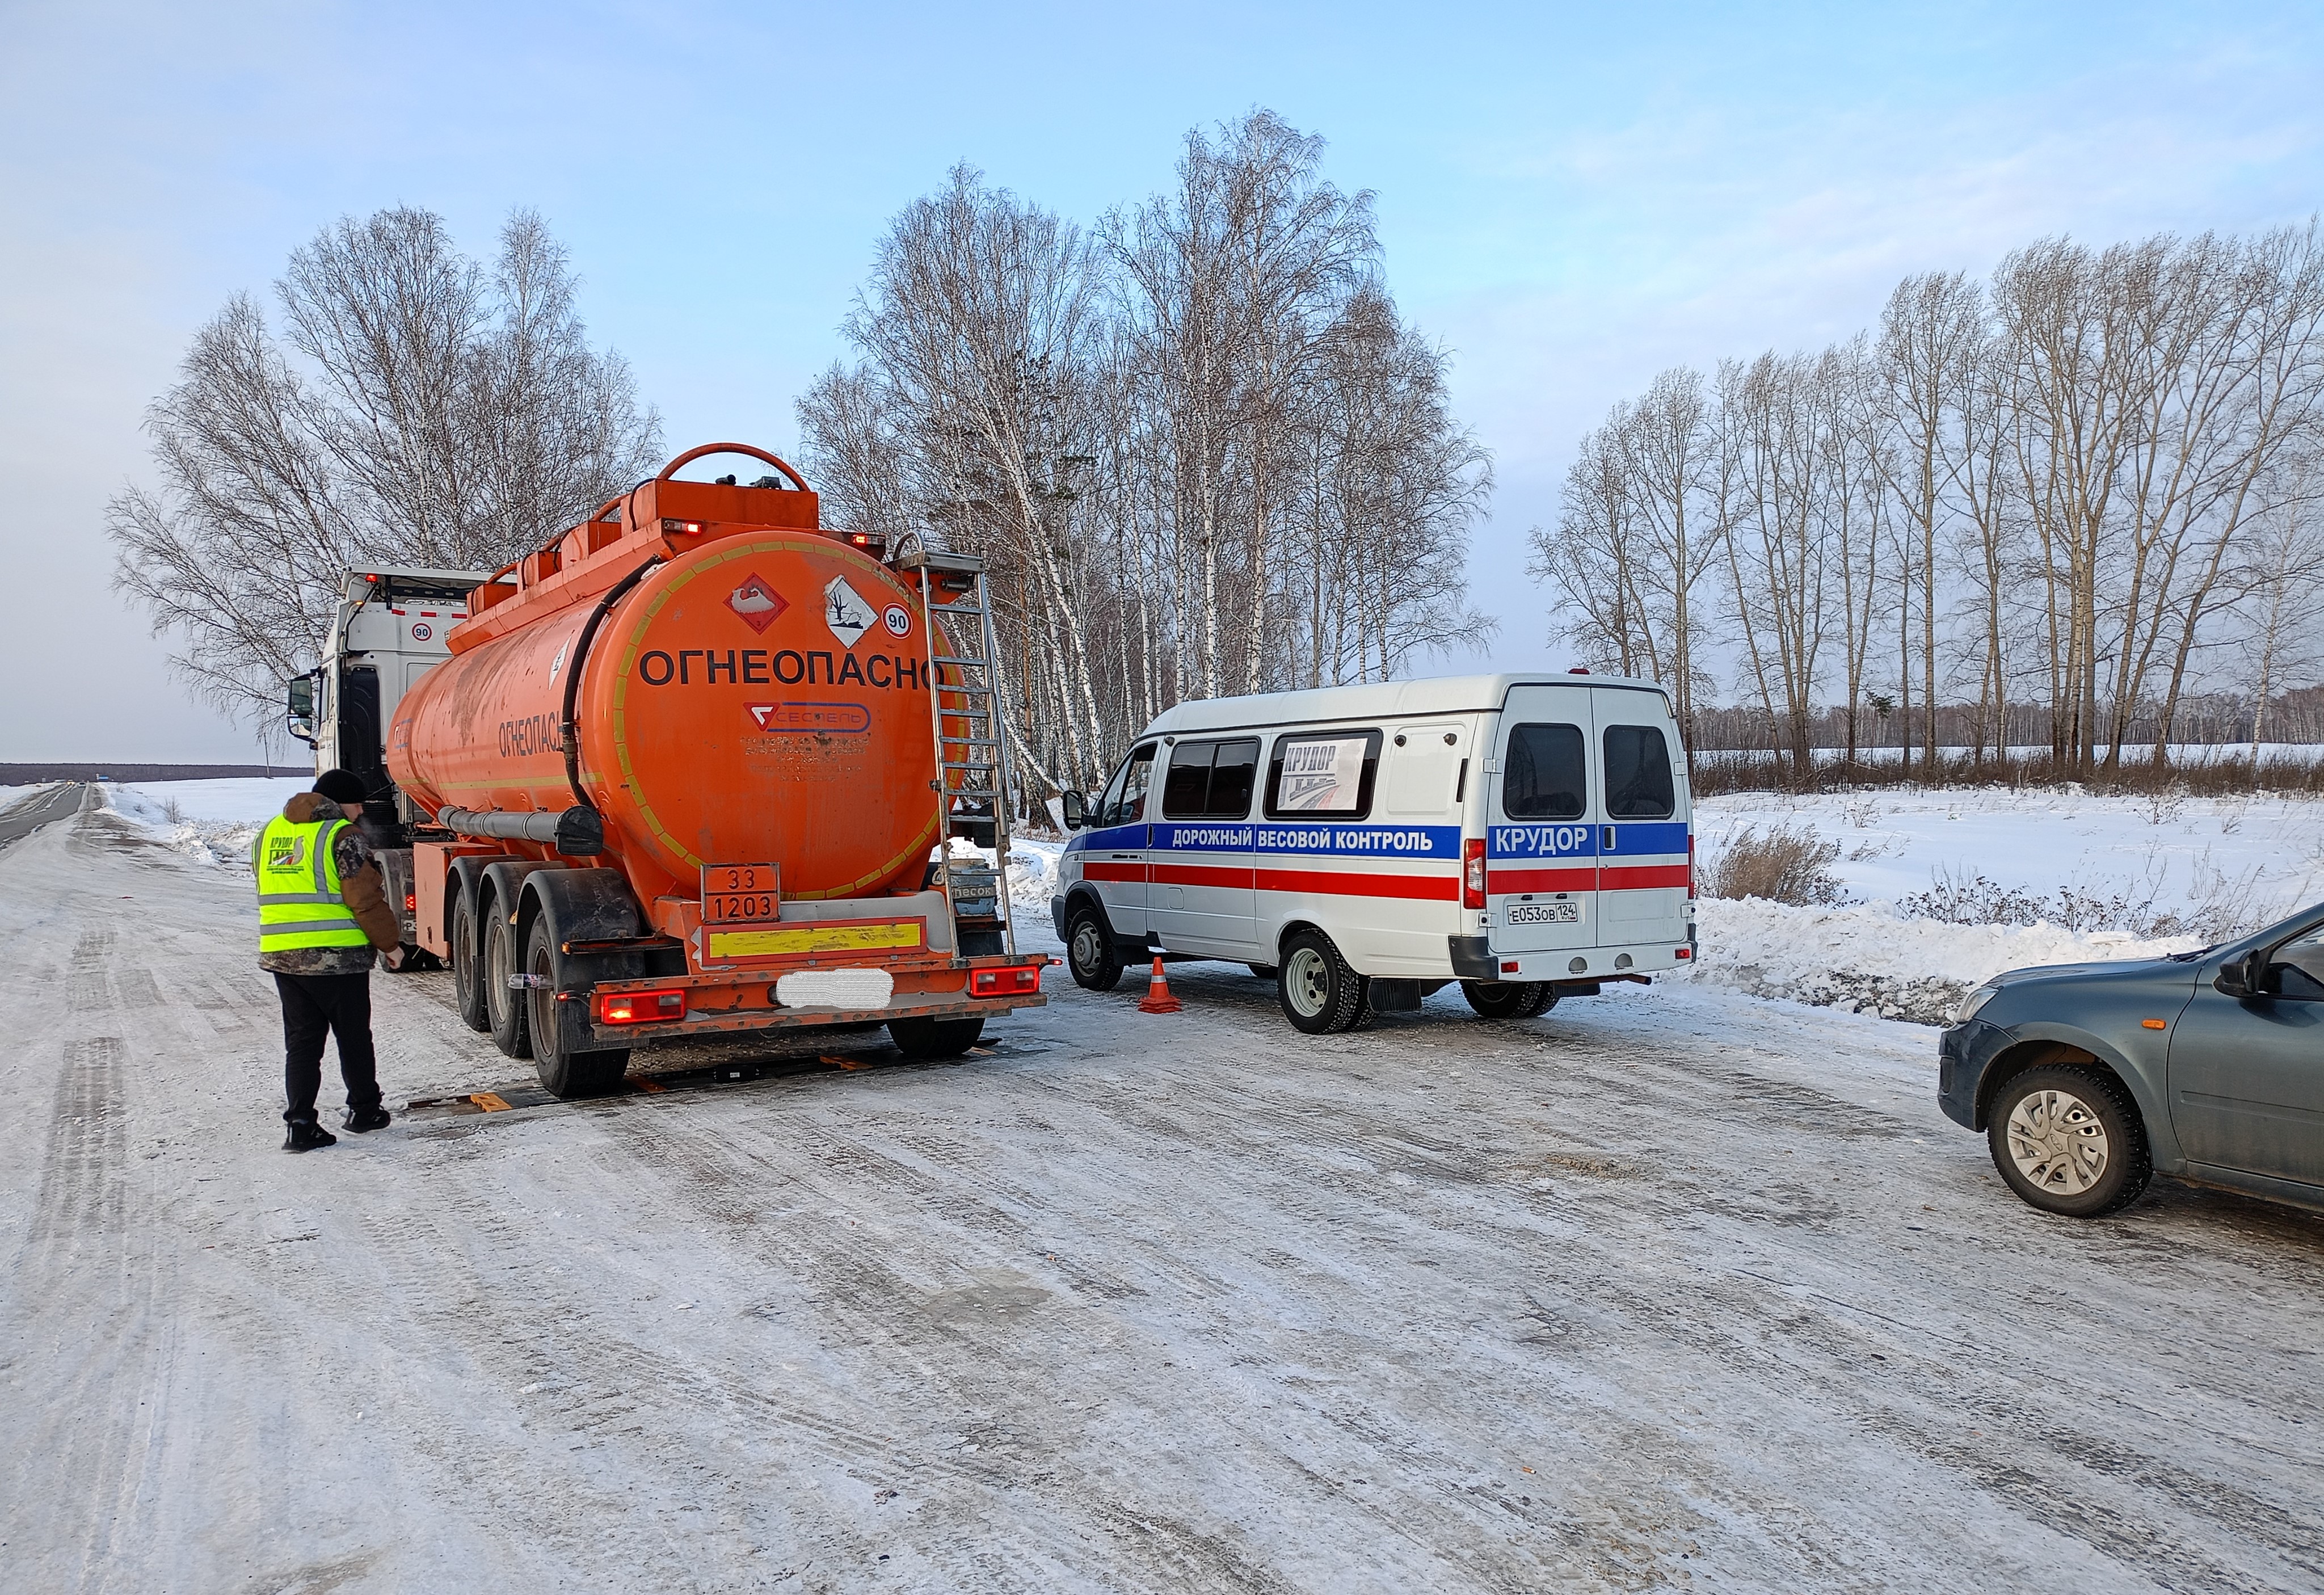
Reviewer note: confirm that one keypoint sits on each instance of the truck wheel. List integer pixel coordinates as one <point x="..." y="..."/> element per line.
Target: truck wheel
<point x="2069" y="1140"/>
<point x="1090" y="953"/>
<point x="508" y="1016"/>
<point x="933" y="1039"/>
<point x="1319" y="992"/>
<point x="560" y="1030"/>
<point x="467" y="978"/>
<point x="1505" y="1000"/>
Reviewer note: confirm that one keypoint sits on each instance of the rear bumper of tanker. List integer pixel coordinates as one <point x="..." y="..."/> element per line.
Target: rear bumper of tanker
<point x="723" y="1003"/>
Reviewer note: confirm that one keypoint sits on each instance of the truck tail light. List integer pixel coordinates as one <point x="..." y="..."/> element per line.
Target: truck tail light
<point x="1690" y="868"/>
<point x="1472" y="872"/>
<point x="639" y="1008"/>
<point x="1005" y="983"/>
<point x="410" y="902"/>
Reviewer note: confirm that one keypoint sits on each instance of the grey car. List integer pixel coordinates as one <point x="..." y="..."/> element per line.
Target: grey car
<point x="2088" y="1079"/>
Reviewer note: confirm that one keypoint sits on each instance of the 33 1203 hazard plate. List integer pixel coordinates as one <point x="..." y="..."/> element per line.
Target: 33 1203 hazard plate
<point x="741" y="894"/>
<point x="1544" y="913"/>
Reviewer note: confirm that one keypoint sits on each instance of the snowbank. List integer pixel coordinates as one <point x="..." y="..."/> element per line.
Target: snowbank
<point x="1866" y="957"/>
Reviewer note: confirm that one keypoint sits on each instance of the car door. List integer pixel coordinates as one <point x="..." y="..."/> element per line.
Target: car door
<point x="1541" y="837"/>
<point x="1202" y="858"/>
<point x="2248" y="1072"/>
<point x="1642" y="840"/>
<point x="1116" y="858"/>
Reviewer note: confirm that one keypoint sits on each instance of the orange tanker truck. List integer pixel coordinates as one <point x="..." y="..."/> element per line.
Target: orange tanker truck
<point x="695" y="766"/>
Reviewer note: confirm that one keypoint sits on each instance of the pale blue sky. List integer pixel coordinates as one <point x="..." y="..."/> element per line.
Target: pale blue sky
<point x="1571" y="199"/>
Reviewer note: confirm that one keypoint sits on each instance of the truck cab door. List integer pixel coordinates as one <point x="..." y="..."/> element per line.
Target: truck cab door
<point x="1642" y="834"/>
<point x="1115" y="859"/>
<point x="1541" y="836"/>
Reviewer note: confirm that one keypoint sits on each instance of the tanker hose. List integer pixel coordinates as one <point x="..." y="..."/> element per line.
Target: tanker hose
<point x="568" y="732"/>
<point x="576" y="832"/>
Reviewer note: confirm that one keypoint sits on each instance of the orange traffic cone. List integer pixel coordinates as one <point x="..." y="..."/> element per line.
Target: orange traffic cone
<point x="1158" y="993"/>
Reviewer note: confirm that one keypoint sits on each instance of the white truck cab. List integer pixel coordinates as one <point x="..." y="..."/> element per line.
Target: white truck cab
<point x="389" y="631"/>
<point x="1528" y="836"/>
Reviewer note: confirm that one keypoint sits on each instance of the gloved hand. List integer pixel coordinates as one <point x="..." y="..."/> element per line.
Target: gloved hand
<point x="392" y="957"/>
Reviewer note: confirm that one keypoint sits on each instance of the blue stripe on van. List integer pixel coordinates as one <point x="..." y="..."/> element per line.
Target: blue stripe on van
<point x="1571" y="840"/>
<point x="1634" y="837"/>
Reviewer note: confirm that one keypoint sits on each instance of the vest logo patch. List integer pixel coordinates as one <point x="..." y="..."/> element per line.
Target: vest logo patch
<point x="286" y="852"/>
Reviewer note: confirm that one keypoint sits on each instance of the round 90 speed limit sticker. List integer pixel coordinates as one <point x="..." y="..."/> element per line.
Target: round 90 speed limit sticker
<point x="898" y="620"/>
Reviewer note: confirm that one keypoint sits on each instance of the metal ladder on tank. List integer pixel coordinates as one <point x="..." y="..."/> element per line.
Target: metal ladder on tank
<point x="972" y="765"/>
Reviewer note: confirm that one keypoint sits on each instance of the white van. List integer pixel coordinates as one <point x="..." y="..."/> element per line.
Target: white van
<point x="1529" y="836"/>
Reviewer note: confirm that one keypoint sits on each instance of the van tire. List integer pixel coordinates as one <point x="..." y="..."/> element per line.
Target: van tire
<point x="511" y="1034"/>
<point x="1321" y="995"/>
<point x="1094" y="962"/>
<point x="467" y="978"/>
<point x="1508" y="1000"/>
<point x="557" y="1029"/>
<point x="1544" y="997"/>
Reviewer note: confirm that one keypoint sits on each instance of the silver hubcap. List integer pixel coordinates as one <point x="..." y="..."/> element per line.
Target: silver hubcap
<point x="2057" y="1142"/>
<point x="1086" y="947"/>
<point x="1307" y="982"/>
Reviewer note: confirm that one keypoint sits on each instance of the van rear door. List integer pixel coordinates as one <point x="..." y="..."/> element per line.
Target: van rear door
<point x="1642" y="834"/>
<point x="1541" y="838"/>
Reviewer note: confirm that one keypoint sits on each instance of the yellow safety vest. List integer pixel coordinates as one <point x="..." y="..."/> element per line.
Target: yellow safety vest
<point x="298" y="902"/>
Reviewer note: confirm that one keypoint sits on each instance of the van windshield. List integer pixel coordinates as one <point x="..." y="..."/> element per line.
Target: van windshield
<point x="1545" y="780"/>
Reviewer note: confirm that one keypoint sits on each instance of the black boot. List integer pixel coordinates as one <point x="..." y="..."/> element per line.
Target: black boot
<point x="363" y="1120"/>
<point x="306" y="1135"/>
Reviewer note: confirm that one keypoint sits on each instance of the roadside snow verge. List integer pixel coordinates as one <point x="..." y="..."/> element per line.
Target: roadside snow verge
<point x="1865" y="958"/>
<point x="216" y="843"/>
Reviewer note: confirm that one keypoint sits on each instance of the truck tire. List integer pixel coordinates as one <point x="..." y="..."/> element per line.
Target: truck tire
<point x="933" y="1039"/>
<point x="1507" y="999"/>
<point x="1320" y="994"/>
<point x="468" y="976"/>
<point x="2069" y="1140"/>
<point x="509" y="1031"/>
<point x="561" y="1029"/>
<point x="1090" y="953"/>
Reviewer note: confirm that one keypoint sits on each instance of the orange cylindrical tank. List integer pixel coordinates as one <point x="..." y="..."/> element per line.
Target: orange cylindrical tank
<point x="760" y="698"/>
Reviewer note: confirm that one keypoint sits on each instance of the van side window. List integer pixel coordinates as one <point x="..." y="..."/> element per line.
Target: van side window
<point x="1544" y="779"/>
<point x="1328" y="777"/>
<point x="1210" y="780"/>
<point x="1638" y="774"/>
<point x="1126" y="797"/>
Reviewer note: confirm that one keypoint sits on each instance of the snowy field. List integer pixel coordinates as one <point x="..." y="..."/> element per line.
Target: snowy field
<point x="2098" y="877"/>
<point x="1670" y="1289"/>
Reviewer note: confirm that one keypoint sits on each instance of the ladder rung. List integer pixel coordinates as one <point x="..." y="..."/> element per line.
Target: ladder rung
<point x="957" y="659"/>
<point x="953" y="609"/>
<point x="974" y="741"/>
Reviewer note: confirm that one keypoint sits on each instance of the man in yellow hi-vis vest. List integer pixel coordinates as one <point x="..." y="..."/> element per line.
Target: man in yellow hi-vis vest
<point x="322" y="910"/>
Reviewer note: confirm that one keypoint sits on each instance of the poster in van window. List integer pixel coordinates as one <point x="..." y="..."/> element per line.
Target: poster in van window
<point x="1325" y="775"/>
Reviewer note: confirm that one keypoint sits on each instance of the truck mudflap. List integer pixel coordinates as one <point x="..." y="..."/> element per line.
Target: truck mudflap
<point x="726" y="1001"/>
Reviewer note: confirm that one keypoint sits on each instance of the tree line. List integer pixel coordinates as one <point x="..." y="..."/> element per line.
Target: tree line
<point x="1198" y="446"/>
<point x="2086" y="486"/>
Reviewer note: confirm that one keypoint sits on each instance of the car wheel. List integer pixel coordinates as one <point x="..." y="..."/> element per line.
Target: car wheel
<point x="2069" y="1140"/>
<point x="1505" y="999"/>
<point x="1091" y="955"/>
<point x="1319" y="992"/>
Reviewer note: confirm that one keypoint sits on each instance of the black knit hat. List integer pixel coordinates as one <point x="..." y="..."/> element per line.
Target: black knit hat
<point x="341" y="786"/>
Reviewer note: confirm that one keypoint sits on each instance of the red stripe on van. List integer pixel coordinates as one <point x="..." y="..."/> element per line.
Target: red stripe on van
<point x="1641" y="877"/>
<point x="1097" y="872"/>
<point x="1497" y="882"/>
<point x="1201" y="875"/>
<point x="1332" y="883"/>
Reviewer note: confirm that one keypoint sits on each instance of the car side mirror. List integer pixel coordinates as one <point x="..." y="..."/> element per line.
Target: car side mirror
<point x="2241" y="977"/>
<point x="1075" y="808"/>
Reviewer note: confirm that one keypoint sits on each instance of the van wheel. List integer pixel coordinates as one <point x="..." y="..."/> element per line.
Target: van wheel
<point x="1508" y="1000"/>
<point x="933" y="1039"/>
<point x="2069" y="1140"/>
<point x="467" y="980"/>
<point x="510" y="1032"/>
<point x="1090" y="953"/>
<point x="560" y="1030"/>
<point x="1319" y="992"/>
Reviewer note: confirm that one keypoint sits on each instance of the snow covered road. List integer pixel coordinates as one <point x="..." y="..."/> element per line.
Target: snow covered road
<point x="1670" y="1289"/>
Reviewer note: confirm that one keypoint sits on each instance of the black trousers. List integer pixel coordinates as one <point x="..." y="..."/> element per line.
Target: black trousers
<point x="315" y="1005"/>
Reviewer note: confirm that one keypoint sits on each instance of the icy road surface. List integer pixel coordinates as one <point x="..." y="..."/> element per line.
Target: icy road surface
<point x="1670" y="1290"/>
